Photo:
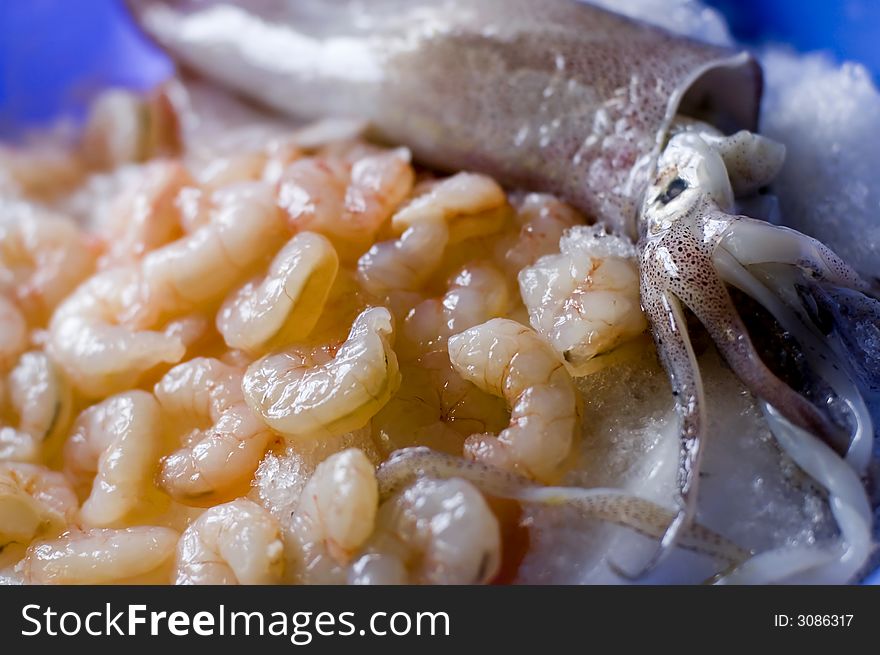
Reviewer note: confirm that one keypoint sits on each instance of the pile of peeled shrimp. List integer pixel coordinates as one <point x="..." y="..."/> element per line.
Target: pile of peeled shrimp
<point x="238" y="352"/>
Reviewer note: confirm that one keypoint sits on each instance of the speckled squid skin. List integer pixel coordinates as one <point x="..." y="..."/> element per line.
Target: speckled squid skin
<point x="677" y="272"/>
<point x="692" y="247"/>
<point x="677" y="267"/>
<point x="549" y="95"/>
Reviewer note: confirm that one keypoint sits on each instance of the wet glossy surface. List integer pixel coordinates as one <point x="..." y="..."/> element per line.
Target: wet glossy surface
<point x="597" y="91"/>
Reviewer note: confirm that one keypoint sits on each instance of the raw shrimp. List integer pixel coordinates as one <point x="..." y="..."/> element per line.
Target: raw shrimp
<point x="306" y="392"/>
<point x="470" y="204"/>
<point x="146" y="215"/>
<point x="436" y="407"/>
<point x="541" y="219"/>
<point x="433" y="532"/>
<point x="14" y="329"/>
<point x="99" y="335"/>
<point x="346" y="300"/>
<point x="585" y="300"/>
<point x="348" y="205"/>
<point x="221" y="171"/>
<point x="195" y="331"/>
<point x="102" y="333"/>
<point x="200" y="268"/>
<point x="409" y="465"/>
<point x="284" y="306"/>
<point x="118" y="442"/>
<point x="126" y="127"/>
<point x="195" y="206"/>
<point x="235" y="543"/>
<point x="41" y="398"/>
<point x="510" y="360"/>
<point x="379" y="183"/>
<point x="334" y="518"/>
<point x="475" y="294"/>
<point x="397" y="269"/>
<point x="246" y="153"/>
<point x="448" y="212"/>
<point x="221" y="453"/>
<point x="312" y="192"/>
<point x="99" y="556"/>
<point x="34" y="502"/>
<point x="42" y="171"/>
<point x="43" y="257"/>
<point x="287" y="467"/>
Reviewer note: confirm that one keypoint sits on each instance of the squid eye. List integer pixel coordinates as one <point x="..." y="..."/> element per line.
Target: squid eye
<point x="673" y="190"/>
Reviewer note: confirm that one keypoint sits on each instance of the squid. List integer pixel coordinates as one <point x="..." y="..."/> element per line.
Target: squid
<point x="651" y="134"/>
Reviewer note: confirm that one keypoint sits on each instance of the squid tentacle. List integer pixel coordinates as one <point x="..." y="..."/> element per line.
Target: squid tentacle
<point x="610" y="505"/>
<point x="756" y="242"/>
<point x="678" y="269"/>
<point x="849" y="505"/>
<point x="777" y="295"/>
<point x="701" y="289"/>
<point x="676" y="350"/>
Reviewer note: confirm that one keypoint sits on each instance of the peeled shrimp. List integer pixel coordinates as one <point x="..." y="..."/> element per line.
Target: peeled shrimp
<point x="250" y="149"/>
<point x="306" y="392"/>
<point x="542" y="220"/>
<point x="379" y="183"/>
<point x="43" y="170"/>
<point x="235" y="543"/>
<point x="127" y="127"/>
<point x="98" y="556"/>
<point x="285" y="305"/>
<point x="346" y="300"/>
<point x="43" y="257"/>
<point x="396" y="269"/>
<point x="436" y="407"/>
<point x="470" y="204"/>
<point x="433" y="532"/>
<point x="476" y="293"/>
<point x="334" y="517"/>
<point x="201" y="267"/>
<point x="221" y="453"/>
<point x="510" y="360"/>
<point x="349" y="206"/>
<point x="410" y="465"/>
<point x="100" y="335"/>
<point x="312" y="192"/>
<point x="117" y="441"/>
<point x="14" y="330"/>
<point x="34" y="501"/>
<point x="146" y="215"/>
<point x="41" y="398"/>
<point x="450" y="211"/>
<point x="585" y="300"/>
<point x="221" y="171"/>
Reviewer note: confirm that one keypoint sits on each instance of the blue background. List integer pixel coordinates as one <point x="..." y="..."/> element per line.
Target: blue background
<point x="55" y="54"/>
